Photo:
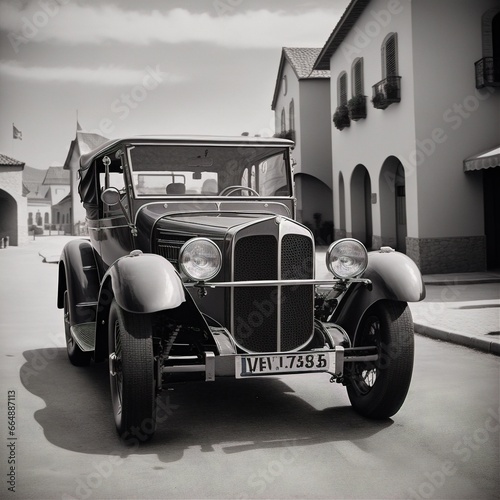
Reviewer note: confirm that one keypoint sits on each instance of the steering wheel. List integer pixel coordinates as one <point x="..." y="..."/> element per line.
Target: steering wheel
<point x="231" y="189"/>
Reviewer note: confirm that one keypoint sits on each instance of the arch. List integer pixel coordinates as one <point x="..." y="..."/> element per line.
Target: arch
<point x="342" y="227"/>
<point x="342" y="89"/>
<point x="489" y="21"/>
<point x="8" y="217"/>
<point x="392" y="190"/>
<point x="315" y="206"/>
<point x="361" y="206"/>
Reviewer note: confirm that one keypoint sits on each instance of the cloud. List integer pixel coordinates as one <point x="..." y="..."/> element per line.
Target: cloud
<point x="93" y="24"/>
<point x="102" y="75"/>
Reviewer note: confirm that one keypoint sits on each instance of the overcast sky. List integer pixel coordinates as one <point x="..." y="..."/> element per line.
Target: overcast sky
<point x="150" y="67"/>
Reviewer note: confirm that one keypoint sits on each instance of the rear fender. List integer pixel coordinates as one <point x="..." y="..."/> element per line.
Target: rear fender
<point x="79" y="276"/>
<point x="393" y="276"/>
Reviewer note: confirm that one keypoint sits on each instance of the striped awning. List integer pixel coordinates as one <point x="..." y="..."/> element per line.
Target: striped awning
<point x="486" y="159"/>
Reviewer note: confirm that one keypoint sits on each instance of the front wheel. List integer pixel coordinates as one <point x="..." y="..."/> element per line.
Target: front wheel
<point x="377" y="389"/>
<point x="131" y="373"/>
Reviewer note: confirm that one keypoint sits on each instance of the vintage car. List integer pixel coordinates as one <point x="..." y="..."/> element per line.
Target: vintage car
<point x="195" y="267"/>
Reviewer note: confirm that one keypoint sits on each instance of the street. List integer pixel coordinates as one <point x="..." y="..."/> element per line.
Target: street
<point x="290" y="437"/>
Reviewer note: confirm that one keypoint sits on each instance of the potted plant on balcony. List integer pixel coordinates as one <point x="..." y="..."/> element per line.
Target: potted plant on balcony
<point x="341" y="117"/>
<point x="392" y="93"/>
<point x="357" y="107"/>
<point x="379" y="101"/>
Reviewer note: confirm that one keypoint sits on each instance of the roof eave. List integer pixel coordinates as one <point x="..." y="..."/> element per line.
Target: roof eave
<point x="346" y="22"/>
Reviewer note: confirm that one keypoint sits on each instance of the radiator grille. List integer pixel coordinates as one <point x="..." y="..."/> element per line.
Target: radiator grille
<point x="297" y="302"/>
<point x="256" y="309"/>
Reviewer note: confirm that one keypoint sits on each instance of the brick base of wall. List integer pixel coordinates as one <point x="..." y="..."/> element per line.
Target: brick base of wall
<point x="448" y="255"/>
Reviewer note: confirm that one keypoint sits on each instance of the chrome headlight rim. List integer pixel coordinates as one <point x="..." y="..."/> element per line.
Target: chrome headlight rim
<point x="188" y="271"/>
<point x="334" y="252"/>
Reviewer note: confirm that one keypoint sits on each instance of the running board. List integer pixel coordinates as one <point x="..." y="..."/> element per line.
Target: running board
<point x="84" y="335"/>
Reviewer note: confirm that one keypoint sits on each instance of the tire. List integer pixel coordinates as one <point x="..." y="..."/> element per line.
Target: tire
<point x="131" y="373"/>
<point x="377" y="389"/>
<point x="75" y="354"/>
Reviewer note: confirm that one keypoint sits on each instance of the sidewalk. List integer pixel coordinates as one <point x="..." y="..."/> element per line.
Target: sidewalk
<point x="460" y="308"/>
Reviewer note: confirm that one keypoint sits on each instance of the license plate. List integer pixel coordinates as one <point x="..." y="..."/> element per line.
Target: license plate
<point x="251" y="365"/>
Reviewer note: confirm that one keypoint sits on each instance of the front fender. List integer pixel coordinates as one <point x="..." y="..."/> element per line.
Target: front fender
<point x="145" y="283"/>
<point x="393" y="276"/>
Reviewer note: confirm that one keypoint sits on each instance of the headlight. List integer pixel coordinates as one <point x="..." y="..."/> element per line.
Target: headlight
<point x="200" y="259"/>
<point x="346" y="258"/>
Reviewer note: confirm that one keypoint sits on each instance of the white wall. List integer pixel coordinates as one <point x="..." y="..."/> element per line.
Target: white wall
<point x="384" y="132"/>
<point x="315" y="132"/>
<point x="441" y="119"/>
<point x="453" y="120"/>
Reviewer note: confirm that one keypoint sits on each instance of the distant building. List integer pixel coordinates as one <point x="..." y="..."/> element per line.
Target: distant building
<point x="61" y="215"/>
<point x="84" y="142"/>
<point x="412" y="95"/>
<point x="58" y="181"/>
<point x="299" y="101"/>
<point x="13" y="203"/>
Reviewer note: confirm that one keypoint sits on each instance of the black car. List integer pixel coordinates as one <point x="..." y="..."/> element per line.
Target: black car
<point x="196" y="268"/>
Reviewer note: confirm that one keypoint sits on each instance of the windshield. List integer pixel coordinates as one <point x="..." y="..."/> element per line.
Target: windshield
<point x="158" y="170"/>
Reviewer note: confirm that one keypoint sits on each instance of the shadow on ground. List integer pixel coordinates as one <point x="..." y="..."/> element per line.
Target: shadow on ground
<point x="235" y="415"/>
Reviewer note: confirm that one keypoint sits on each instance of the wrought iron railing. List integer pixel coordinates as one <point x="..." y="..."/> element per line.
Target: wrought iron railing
<point x="386" y="92"/>
<point x="487" y="73"/>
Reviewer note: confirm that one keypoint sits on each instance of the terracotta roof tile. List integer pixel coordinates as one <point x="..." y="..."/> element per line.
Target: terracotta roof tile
<point x="302" y="61"/>
<point x="7" y="161"/>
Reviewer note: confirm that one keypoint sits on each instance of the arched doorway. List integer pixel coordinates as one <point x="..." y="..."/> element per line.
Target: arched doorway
<point x="361" y="206"/>
<point x="392" y="191"/>
<point x="315" y="206"/>
<point x="8" y="217"/>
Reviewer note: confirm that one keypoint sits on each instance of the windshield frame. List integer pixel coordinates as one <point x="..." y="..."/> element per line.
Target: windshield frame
<point x="258" y="152"/>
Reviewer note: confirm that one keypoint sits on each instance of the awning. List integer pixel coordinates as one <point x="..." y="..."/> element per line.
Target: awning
<point x="486" y="159"/>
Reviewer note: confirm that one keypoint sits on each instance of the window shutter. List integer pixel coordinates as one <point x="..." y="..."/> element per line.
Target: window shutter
<point x="391" y="57"/>
<point x="358" y="77"/>
<point x="342" y="90"/>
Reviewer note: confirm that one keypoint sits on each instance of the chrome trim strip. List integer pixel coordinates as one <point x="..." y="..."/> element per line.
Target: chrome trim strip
<point x="234" y="284"/>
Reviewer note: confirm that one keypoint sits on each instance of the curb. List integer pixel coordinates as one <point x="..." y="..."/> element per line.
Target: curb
<point x="480" y="344"/>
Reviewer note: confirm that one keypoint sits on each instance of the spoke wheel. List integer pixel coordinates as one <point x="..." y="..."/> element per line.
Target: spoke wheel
<point x="131" y="373"/>
<point x="75" y="354"/>
<point x="377" y="389"/>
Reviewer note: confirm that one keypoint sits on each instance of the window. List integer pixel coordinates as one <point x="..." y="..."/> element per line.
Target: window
<point x="291" y="117"/>
<point x="390" y="56"/>
<point x="283" y="121"/>
<point x="357" y="77"/>
<point x="46" y="218"/>
<point x="342" y="89"/>
<point x="488" y="68"/>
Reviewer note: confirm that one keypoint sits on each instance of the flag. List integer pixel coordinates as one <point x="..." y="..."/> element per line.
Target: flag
<point x="16" y="133"/>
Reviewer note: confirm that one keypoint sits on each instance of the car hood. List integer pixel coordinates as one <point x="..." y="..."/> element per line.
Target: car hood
<point x="205" y="222"/>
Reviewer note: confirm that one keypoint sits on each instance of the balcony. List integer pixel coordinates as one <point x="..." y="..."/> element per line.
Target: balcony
<point x="487" y="73"/>
<point x="386" y="92"/>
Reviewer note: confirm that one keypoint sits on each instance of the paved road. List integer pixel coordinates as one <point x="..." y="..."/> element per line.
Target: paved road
<point x="289" y="437"/>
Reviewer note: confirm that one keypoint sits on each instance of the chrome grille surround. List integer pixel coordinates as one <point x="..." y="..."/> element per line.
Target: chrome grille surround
<point x="272" y="318"/>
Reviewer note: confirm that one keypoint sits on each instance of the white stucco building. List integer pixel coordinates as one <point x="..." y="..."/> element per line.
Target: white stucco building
<point x="13" y="202"/>
<point x="302" y="113"/>
<point x="398" y="173"/>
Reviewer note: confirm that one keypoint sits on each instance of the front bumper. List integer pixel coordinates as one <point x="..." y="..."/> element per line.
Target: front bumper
<point x="331" y="361"/>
